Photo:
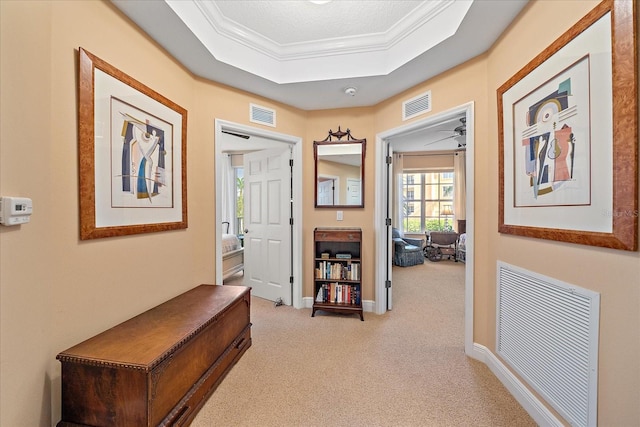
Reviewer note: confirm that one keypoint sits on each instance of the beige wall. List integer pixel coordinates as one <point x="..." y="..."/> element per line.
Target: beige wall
<point x="615" y="274"/>
<point x="56" y="290"/>
<point x="360" y="122"/>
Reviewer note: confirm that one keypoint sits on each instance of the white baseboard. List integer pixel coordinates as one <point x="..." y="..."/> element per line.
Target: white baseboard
<point x="520" y="392"/>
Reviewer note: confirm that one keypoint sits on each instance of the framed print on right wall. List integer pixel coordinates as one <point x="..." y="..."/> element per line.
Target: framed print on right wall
<point x="568" y="136"/>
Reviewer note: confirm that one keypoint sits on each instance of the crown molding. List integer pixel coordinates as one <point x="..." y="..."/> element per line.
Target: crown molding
<point x="359" y="56"/>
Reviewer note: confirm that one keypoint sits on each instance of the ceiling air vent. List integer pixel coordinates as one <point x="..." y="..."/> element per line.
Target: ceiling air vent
<point x="415" y="106"/>
<point x="262" y="115"/>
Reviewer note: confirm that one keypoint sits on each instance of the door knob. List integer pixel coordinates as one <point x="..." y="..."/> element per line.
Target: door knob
<point x="246" y="230"/>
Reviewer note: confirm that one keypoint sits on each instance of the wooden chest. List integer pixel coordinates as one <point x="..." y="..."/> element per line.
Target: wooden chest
<point x="159" y="367"/>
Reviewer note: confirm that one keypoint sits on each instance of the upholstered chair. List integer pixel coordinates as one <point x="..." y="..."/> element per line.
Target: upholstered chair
<point x="406" y="251"/>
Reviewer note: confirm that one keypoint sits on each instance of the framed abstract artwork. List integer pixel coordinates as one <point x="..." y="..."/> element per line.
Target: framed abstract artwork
<point x="568" y="136"/>
<point x="132" y="154"/>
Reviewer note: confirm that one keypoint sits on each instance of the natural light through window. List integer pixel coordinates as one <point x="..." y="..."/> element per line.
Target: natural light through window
<point x="239" y="172"/>
<point x="427" y="201"/>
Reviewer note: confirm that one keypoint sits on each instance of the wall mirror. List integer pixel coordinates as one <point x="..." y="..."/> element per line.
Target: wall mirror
<point x="339" y="170"/>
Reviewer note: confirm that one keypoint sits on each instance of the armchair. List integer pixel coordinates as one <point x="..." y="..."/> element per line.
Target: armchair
<point x="406" y="251"/>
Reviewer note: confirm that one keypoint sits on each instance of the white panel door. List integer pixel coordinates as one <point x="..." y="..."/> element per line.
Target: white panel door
<point x="326" y="192"/>
<point x="353" y="192"/>
<point x="267" y="236"/>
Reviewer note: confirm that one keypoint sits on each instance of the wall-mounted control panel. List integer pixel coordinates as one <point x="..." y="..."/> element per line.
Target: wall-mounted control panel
<point x="15" y="210"/>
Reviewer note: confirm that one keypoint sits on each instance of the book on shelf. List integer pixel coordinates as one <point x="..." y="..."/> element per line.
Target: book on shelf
<point x="337" y="270"/>
<point x="343" y="256"/>
<point x="339" y="293"/>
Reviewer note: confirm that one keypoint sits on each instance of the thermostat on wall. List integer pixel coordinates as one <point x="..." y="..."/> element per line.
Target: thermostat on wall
<point x="15" y="210"/>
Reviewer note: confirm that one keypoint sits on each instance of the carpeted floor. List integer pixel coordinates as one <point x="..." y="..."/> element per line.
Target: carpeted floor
<point x="404" y="368"/>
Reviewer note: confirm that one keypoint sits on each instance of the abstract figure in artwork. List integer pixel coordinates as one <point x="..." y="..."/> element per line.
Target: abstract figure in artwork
<point x="549" y="141"/>
<point x="143" y="158"/>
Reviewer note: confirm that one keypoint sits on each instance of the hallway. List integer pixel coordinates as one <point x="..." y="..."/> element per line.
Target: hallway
<point x="404" y="368"/>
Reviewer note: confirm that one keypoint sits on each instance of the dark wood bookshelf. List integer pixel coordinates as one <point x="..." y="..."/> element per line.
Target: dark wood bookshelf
<point x="337" y="284"/>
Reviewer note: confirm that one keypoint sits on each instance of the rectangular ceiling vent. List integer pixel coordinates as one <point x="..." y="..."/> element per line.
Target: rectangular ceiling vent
<point x="262" y="115"/>
<point x="415" y="106"/>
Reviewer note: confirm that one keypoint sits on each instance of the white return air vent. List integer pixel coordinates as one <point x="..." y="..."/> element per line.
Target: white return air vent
<point x="548" y="333"/>
<point x="262" y="115"/>
<point x="417" y="105"/>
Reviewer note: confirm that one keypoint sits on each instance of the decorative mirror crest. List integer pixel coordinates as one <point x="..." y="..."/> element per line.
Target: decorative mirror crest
<point x="339" y="170"/>
<point x="340" y="134"/>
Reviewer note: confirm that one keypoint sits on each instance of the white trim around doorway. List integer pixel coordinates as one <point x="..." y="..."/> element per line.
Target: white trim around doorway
<point x="381" y="211"/>
<point x="296" y="143"/>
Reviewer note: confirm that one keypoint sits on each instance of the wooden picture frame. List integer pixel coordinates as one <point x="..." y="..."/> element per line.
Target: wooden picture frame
<point x="132" y="154"/>
<point x="568" y="136"/>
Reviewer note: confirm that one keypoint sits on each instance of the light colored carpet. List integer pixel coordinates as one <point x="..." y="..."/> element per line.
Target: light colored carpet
<point x="404" y="368"/>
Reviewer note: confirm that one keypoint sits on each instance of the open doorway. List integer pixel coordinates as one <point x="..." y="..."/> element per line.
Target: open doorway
<point x="383" y="285"/>
<point x="255" y="140"/>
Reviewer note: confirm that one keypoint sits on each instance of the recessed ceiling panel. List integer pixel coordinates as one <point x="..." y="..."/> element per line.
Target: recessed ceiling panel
<point x="302" y="21"/>
<point x="298" y="41"/>
<point x="306" y="55"/>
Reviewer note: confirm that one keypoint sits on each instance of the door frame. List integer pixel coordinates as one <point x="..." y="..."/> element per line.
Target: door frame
<point x="382" y="231"/>
<point x="296" y="246"/>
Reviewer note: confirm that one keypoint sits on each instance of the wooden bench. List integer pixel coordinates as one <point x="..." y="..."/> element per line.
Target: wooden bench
<point x="159" y="367"/>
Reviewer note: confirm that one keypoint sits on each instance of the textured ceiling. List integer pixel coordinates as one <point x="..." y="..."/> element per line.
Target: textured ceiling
<point x="386" y="46"/>
<point x="302" y="21"/>
<point x="243" y="44"/>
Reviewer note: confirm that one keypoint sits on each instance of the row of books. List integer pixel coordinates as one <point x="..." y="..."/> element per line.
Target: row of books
<point x="339" y="293"/>
<point x="337" y="270"/>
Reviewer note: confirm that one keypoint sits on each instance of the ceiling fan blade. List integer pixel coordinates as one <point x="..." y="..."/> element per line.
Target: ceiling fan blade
<point x="438" y="140"/>
<point x="422" y="129"/>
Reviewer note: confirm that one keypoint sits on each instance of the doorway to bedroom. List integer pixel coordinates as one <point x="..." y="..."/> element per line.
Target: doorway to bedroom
<point x="264" y="168"/>
<point x="399" y="139"/>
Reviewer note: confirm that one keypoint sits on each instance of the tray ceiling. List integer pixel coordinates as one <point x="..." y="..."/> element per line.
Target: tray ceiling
<point x="306" y="55"/>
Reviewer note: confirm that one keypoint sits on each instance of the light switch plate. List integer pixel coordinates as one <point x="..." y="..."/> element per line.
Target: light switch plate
<point x="339" y="215"/>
